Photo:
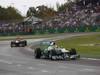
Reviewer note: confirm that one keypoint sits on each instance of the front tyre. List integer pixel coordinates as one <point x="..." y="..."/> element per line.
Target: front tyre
<point x="37" y="53"/>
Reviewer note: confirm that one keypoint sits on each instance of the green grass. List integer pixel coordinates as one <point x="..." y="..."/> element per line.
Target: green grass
<point x="50" y="35"/>
<point x="6" y="39"/>
<point x="77" y="42"/>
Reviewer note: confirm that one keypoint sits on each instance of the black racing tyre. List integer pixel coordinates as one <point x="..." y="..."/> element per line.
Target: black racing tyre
<point x="12" y="45"/>
<point x="25" y="43"/>
<point x="37" y="53"/>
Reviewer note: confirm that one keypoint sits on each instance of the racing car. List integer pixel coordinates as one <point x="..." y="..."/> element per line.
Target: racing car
<point x="18" y="43"/>
<point x="49" y="50"/>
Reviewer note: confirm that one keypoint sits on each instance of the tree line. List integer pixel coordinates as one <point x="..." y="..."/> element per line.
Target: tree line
<point x="45" y="12"/>
<point x="9" y="13"/>
<point x="42" y="11"/>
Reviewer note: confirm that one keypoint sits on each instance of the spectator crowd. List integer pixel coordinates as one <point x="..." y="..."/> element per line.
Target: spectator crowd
<point x="76" y="16"/>
<point x="73" y="16"/>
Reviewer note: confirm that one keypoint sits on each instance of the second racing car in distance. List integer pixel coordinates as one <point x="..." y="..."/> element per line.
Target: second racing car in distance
<point x="19" y="42"/>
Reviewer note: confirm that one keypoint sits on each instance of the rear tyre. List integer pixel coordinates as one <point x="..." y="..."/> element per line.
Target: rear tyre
<point x="37" y="53"/>
<point x="12" y="45"/>
<point x="25" y="43"/>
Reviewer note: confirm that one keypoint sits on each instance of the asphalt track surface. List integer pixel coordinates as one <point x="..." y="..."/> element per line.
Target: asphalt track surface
<point x="20" y="61"/>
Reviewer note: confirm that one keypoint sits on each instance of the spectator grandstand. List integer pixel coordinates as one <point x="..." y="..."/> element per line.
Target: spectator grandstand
<point x="77" y="15"/>
<point x="86" y="13"/>
<point x="10" y="26"/>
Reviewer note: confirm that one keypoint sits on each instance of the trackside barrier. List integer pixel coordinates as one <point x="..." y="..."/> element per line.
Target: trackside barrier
<point x="53" y="31"/>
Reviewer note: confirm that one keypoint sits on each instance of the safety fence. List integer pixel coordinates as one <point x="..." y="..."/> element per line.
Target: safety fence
<point x="53" y="31"/>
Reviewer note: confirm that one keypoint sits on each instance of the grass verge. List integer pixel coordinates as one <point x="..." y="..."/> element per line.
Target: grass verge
<point x="7" y="39"/>
<point x="87" y="46"/>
